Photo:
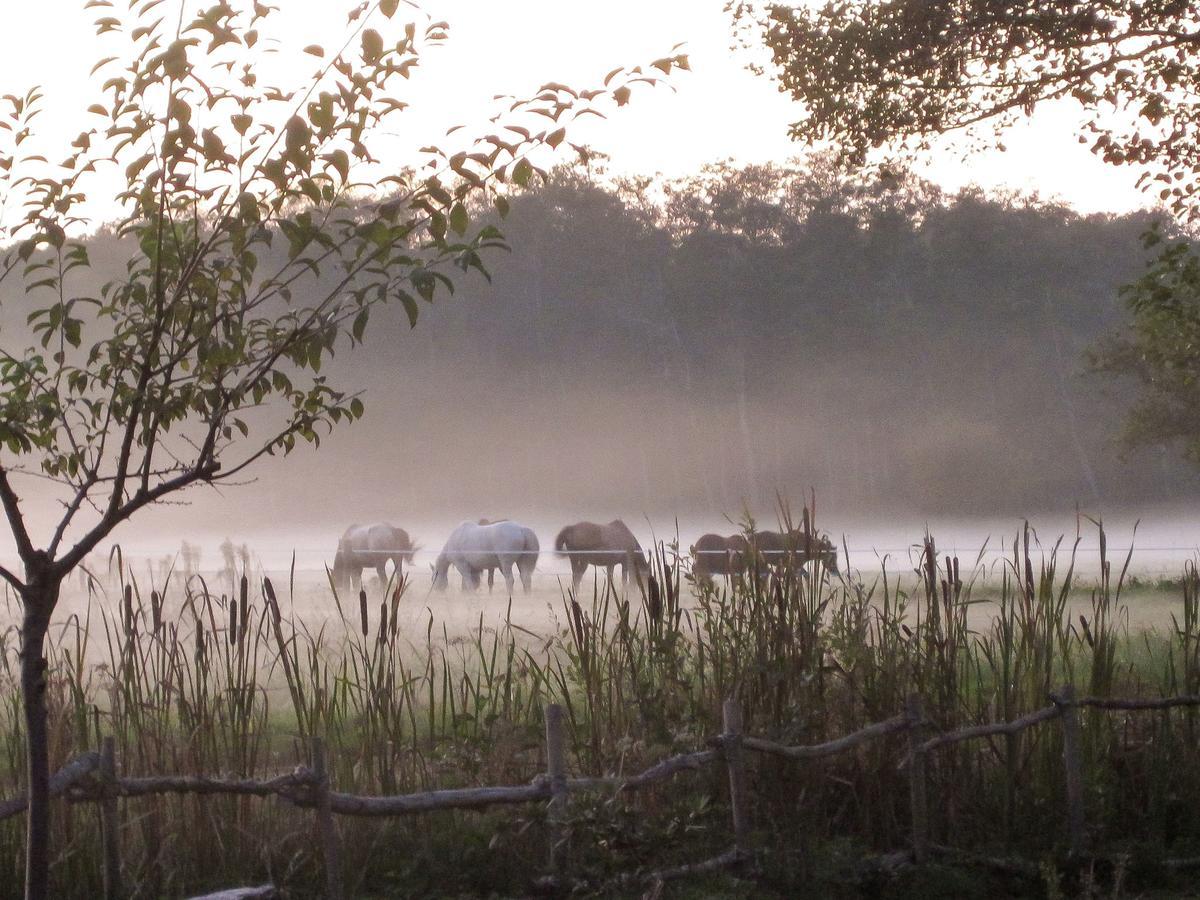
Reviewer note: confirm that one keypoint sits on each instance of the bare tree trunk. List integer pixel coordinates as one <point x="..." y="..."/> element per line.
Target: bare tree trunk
<point x="40" y="598"/>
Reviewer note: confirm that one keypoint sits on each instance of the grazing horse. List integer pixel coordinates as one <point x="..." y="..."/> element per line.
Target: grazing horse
<point x="473" y="548"/>
<point x="792" y="550"/>
<point x="602" y="546"/>
<point x="370" y="547"/>
<point x="713" y="554"/>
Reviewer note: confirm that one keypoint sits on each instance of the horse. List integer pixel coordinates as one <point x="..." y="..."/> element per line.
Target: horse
<point x="713" y="554"/>
<point x="794" y="549"/>
<point x="371" y="546"/>
<point x="473" y="548"/>
<point x="602" y="546"/>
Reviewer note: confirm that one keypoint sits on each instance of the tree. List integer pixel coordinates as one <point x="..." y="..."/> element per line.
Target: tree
<point x="891" y="76"/>
<point x="259" y="244"/>
<point x="900" y="72"/>
<point x="1158" y="349"/>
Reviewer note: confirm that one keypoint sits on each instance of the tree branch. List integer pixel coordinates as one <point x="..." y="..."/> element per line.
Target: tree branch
<point x="16" y="521"/>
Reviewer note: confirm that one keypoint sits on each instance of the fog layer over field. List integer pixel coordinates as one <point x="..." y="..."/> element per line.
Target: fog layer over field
<point x="690" y="351"/>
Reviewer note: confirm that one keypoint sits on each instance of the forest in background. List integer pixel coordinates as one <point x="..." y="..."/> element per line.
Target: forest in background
<point x="687" y="347"/>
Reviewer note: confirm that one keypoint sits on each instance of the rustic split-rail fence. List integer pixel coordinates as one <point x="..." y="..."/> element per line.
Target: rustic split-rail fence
<point x="92" y="777"/>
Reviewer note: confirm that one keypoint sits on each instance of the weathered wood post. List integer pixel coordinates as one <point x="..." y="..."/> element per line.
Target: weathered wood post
<point x="330" y="849"/>
<point x="556" y="771"/>
<point x="917" y="796"/>
<point x="735" y="762"/>
<point x="110" y="822"/>
<point x="1073" y="766"/>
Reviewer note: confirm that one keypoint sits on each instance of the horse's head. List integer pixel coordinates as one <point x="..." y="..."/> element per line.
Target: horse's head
<point x="441" y="570"/>
<point x="827" y="553"/>
<point x="341" y="573"/>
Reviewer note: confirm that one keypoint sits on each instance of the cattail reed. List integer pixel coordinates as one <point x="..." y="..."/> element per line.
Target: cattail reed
<point x="811" y="659"/>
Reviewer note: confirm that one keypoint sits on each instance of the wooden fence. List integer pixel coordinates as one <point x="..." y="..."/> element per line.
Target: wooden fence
<point x="92" y="777"/>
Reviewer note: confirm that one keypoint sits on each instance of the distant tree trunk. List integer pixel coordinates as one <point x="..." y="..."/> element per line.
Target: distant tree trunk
<point x="39" y="599"/>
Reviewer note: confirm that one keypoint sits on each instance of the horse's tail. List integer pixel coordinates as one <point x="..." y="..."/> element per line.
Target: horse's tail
<point x="530" y="548"/>
<point x="560" y="542"/>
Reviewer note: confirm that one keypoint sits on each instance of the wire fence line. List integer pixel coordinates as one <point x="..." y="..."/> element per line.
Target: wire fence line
<point x="429" y="552"/>
<point x="92" y="778"/>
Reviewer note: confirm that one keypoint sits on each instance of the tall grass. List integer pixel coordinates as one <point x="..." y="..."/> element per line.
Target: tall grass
<point x="193" y="679"/>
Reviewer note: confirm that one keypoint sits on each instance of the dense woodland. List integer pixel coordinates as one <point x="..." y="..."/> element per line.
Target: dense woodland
<point x="683" y="349"/>
<point x="770" y="327"/>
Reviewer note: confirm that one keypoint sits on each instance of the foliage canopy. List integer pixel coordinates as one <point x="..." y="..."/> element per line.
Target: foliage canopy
<point x="901" y="72"/>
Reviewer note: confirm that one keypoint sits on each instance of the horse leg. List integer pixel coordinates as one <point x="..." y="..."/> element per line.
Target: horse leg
<point x="506" y="568"/>
<point x="381" y="571"/>
<point x="526" y="575"/>
<point x="491" y="579"/>
<point x="578" y="567"/>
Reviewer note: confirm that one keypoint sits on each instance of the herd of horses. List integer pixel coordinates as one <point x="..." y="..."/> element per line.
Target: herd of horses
<point x="475" y="548"/>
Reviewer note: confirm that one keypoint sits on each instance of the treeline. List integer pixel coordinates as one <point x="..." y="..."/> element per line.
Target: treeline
<point x="683" y="347"/>
<point x="707" y="341"/>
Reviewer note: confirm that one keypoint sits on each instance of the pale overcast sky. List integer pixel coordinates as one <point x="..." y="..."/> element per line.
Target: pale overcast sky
<point x="719" y="110"/>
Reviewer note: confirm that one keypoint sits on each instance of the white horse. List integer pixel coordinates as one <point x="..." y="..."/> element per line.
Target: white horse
<point x="370" y="547"/>
<point x="473" y="548"/>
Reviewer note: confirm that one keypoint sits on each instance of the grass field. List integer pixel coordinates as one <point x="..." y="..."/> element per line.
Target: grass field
<point x="411" y="690"/>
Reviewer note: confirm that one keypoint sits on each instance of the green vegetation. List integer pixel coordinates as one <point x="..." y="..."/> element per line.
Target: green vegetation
<point x="197" y="682"/>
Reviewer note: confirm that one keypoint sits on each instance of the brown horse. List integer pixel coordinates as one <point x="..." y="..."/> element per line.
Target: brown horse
<point x="602" y="546"/>
<point x="792" y="550"/>
<point x="713" y="554"/>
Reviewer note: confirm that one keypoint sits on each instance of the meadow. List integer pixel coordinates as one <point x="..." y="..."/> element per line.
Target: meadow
<point x="229" y="674"/>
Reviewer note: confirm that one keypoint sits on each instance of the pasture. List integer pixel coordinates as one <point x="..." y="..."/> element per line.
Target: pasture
<point x="206" y="674"/>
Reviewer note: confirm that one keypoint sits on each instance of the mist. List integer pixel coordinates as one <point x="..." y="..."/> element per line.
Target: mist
<point x="735" y="337"/>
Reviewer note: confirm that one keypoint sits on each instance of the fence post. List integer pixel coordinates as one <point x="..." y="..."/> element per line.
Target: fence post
<point x="735" y="762"/>
<point x="917" y="779"/>
<point x="330" y="850"/>
<point x="1073" y="766"/>
<point x="110" y="822"/>
<point x="556" y="771"/>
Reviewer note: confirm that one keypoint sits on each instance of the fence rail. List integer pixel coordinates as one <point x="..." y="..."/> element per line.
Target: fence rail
<point x="91" y="778"/>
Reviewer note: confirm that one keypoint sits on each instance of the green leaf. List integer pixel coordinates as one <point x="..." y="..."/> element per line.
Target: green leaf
<point x="521" y="172"/>
<point x="459" y="219"/>
<point x="360" y="323"/>
<point x="410" y="307"/>
<point x="340" y="160"/>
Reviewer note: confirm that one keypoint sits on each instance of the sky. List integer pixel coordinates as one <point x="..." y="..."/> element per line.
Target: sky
<point x="718" y="111"/>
